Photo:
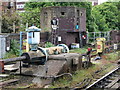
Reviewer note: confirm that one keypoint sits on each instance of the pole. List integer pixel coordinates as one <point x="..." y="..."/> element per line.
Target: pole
<point x="14" y="27"/>
<point x="20" y="51"/>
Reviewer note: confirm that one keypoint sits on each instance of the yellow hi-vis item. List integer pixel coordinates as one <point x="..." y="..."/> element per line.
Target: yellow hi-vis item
<point x="27" y="47"/>
<point x="100" y="44"/>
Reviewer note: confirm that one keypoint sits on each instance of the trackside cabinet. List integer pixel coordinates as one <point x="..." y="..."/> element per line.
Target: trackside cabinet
<point x="33" y="37"/>
<point x="100" y="45"/>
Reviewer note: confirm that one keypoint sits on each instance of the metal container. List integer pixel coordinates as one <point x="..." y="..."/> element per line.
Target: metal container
<point x="33" y="35"/>
<point x="100" y="45"/>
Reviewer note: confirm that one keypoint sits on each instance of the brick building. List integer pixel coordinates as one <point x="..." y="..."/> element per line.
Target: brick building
<point x="20" y="6"/>
<point x="9" y="5"/>
<point x="94" y="2"/>
<point x="71" y="23"/>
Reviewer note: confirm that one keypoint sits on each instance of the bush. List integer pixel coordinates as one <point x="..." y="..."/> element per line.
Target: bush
<point x="14" y="48"/>
<point x="49" y="44"/>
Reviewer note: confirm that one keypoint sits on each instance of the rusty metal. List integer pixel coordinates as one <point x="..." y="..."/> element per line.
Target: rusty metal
<point x="14" y="59"/>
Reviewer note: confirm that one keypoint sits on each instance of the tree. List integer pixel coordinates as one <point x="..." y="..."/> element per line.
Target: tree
<point x="106" y="16"/>
<point x="30" y="16"/>
<point x="118" y="6"/>
<point x="8" y="19"/>
<point x="35" y="7"/>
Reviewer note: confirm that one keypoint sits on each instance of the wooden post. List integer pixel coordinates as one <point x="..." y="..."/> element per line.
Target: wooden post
<point x="14" y="27"/>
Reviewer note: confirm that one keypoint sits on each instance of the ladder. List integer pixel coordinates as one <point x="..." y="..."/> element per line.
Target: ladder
<point x="80" y="38"/>
<point x="54" y="36"/>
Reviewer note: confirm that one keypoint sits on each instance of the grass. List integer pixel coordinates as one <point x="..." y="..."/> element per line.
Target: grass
<point x="112" y="56"/>
<point x="9" y="55"/>
<point x="80" y="75"/>
<point x="79" y="50"/>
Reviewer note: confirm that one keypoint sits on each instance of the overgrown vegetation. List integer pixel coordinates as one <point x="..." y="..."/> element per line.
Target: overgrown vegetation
<point x="79" y="50"/>
<point x="8" y="20"/>
<point x="35" y="7"/>
<point x="106" y="16"/>
<point x="14" y="51"/>
<point x="112" y="56"/>
<point x="103" y="17"/>
<point x="104" y="67"/>
<point x="80" y="75"/>
<point x="49" y="44"/>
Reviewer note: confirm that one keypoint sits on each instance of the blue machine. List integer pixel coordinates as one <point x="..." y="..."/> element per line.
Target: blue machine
<point x="33" y="37"/>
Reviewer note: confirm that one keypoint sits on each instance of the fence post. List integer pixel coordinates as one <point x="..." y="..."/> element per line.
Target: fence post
<point x="87" y="37"/>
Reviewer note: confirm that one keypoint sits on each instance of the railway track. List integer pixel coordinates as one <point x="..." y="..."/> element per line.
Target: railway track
<point x="110" y="80"/>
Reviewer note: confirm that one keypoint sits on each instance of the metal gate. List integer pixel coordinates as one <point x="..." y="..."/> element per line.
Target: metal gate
<point x="93" y="35"/>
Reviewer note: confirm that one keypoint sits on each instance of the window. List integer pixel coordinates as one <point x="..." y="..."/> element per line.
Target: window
<point x="77" y="12"/>
<point x="45" y="17"/>
<point x="62" y="13"/>
<point x="45" y="14"/>
<point x="81" y="14"/>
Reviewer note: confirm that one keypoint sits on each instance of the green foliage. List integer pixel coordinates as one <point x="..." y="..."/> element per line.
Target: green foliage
<point x="14" y="47"/>
<point x="118" y="6"/>
<point x="48" y="44"/>
<point x="112" y="56"/>
<point x="7" y="21"/>
<point x="14" y="50"/>
<point x="34" y="9"/>
<point x="79" y="50"/>
<point x="31" y="16"/>
<point x="9" y="55"/>
<point x="103" y="17"/>
<point x="106" y="16"/>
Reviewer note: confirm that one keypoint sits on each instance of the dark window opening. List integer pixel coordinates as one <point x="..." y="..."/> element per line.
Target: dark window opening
<point x="77" y="12"/>
<point x="76" y="40"/>
<point x="62" y="13"/>
<point x="77" y="19"/>
<point x="45" y="17"/>
<point x="45" y="13"/>
<point x="81" y="13"/>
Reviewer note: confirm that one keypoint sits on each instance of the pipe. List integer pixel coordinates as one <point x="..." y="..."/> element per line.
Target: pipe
<point x="14" y="59"/>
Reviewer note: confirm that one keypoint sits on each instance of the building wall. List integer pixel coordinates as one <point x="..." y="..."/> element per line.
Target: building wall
<point x="63" y="13"/>
<point x="94" y="2"/>
<point x="68" y="18"/>
<point x="115" y="36"/>
<point x="20" y="6"/>
<point x="10" y="5"/>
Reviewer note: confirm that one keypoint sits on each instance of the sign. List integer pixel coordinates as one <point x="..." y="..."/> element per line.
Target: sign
<point x="115" y="46"/>
<point x="59" y="38"/>
<point x="98" y="46"/>
<point x="54" y="23"/>
<point x="54" y="27"/>
<point x="83" y="36"/>
<point x="77" y="26"/>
